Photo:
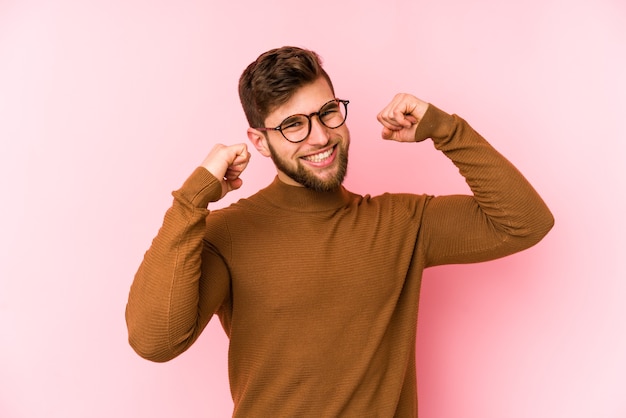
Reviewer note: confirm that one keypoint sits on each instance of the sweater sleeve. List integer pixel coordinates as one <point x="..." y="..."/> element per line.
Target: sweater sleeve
<point x="505" y="214"/>
<point x="170" y="302"/>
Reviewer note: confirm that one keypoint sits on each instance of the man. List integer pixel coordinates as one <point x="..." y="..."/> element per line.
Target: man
<point x="317" y="288"/>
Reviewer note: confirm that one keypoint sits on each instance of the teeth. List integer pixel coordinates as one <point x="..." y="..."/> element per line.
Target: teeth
<point x="317" y="158"/>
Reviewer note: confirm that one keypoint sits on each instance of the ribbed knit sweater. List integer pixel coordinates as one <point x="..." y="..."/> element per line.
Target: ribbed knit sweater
<point x="318" y="291"/>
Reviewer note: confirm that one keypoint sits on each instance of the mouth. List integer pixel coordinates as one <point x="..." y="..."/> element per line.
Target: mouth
<point x="324" y="157"/>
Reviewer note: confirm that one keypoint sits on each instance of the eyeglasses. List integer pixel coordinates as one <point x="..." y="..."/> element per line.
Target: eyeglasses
<point x="297" y="128"/>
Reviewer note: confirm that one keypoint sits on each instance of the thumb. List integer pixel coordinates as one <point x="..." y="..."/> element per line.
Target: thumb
<point x="387" y="133"/>
<point x="230" y="185"/>
<point x="234" y="184"/>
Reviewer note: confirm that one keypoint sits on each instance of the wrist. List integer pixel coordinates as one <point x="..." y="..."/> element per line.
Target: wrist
<point x="435" y="124"/>
<point x="201" y="188"/>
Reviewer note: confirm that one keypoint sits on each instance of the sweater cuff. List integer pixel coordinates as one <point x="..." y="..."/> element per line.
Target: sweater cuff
<point x="200" y="188"/>
<point x="435" y="124"/>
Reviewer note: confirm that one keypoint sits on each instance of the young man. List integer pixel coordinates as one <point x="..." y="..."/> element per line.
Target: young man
<point x="317" y="288"/>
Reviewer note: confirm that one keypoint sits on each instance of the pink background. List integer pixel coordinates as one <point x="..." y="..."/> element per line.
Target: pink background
<point x="107" y="105"/>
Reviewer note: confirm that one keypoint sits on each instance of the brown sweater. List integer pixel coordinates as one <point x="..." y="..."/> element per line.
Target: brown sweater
<point x="318" y="292"/>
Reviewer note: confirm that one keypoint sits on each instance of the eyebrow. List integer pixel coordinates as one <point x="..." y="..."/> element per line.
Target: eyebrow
<point x="309" y="113"/>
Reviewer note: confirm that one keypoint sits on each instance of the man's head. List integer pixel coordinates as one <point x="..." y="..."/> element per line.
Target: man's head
<point x="290" y="81"/>
<point x="274" y="77"/>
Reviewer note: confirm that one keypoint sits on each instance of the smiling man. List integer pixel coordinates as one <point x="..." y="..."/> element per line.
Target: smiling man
<point x="316" y="287"/>
<point x="315" y="155"/>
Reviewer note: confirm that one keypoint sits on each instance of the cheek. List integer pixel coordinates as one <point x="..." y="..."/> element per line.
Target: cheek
<point x="285" y="151"/>
<point x="345" y="134"/>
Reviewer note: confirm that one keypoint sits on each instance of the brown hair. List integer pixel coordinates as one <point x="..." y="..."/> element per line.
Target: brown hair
<point x="274" y="77"/>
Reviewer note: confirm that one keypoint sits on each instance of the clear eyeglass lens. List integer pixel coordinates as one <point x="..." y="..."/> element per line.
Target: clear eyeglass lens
<point x="332" y="115"/>
<point x="295" y="125"/>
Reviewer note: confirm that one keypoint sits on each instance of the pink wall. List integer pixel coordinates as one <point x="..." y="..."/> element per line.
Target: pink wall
<point x="107" y="105"/>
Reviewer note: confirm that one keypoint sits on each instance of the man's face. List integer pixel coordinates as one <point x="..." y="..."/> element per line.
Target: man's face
<point x="320" y="161"/>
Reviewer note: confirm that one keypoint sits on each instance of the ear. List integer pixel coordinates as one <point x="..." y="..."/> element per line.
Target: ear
<point x="259" y="140"/>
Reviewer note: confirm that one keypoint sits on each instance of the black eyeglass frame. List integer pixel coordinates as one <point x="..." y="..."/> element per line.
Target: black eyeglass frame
<point x="309" y="116"/>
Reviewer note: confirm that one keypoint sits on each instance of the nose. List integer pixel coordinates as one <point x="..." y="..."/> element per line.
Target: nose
<point x="320" y="134"/>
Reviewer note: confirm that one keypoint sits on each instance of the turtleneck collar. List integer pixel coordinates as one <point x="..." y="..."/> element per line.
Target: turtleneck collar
<point x="302" y="199"/>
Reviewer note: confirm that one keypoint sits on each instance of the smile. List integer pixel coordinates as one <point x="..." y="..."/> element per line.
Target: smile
<point x="318" y="158"/>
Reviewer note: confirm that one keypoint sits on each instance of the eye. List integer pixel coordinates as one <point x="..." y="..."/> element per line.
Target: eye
<point x="292" y="124"/>
<point x="329" y="111"/>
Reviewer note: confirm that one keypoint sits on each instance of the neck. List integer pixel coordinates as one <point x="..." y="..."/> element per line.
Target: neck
<point x="302" y="199"/>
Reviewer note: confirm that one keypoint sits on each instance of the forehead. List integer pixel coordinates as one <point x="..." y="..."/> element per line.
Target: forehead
<point x="307" y="99"/>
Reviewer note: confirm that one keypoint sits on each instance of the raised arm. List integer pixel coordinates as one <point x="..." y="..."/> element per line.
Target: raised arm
<point x="505" y="213"/>
<point x="165" y="313"/>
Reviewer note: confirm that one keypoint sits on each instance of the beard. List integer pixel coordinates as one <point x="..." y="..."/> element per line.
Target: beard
<point x="302" y="175"/>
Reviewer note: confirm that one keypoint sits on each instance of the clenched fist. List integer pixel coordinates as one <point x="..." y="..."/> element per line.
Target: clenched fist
<point x="226" y="163"/>
<point x="401" y="116"/>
